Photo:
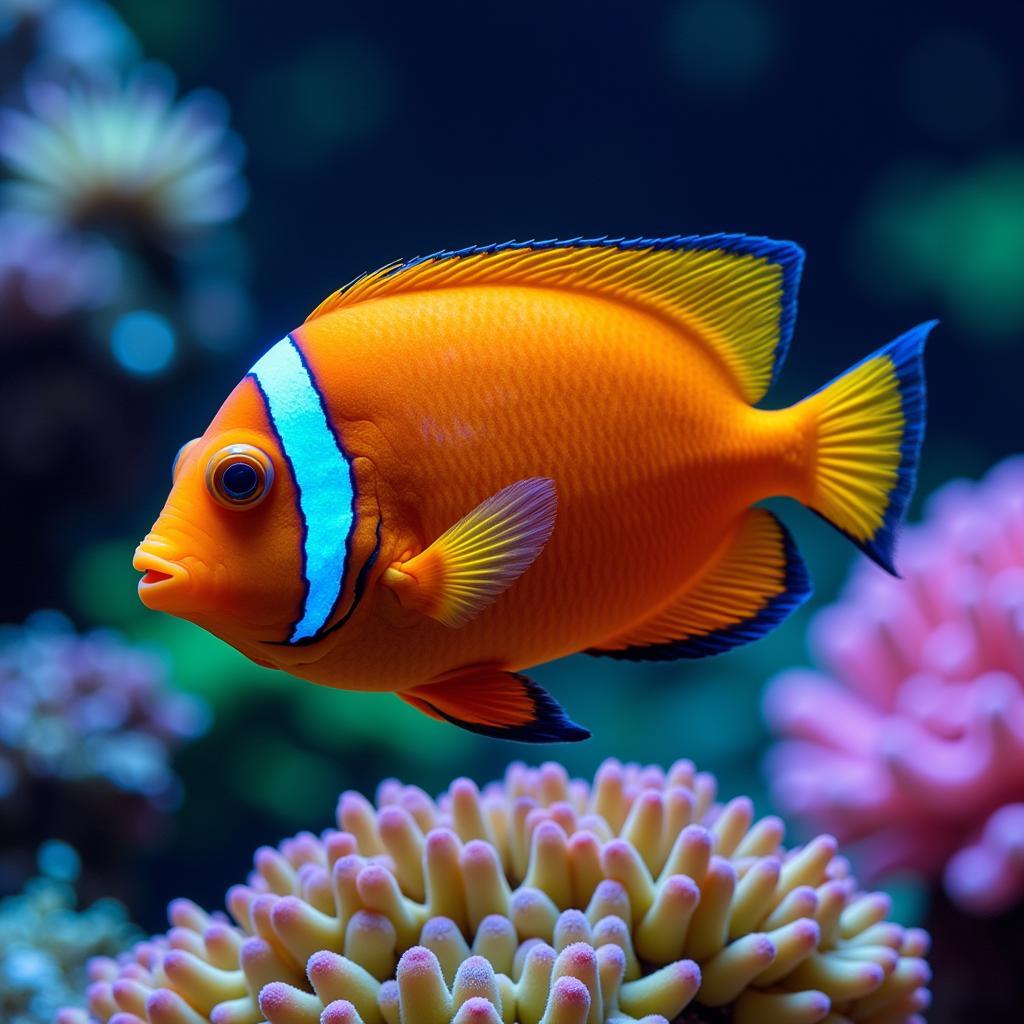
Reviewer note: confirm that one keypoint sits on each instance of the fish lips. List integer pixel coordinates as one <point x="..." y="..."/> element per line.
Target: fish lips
<point x="163" y="580"/>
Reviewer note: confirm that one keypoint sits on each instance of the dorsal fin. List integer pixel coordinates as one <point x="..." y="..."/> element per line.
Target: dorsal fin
<point x="737" y="293"/>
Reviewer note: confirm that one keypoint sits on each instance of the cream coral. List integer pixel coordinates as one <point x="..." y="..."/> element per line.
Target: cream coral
<point x="542" y="900"/>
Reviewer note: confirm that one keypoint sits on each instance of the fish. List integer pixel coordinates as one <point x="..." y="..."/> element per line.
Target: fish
<point x="465" y="465"/>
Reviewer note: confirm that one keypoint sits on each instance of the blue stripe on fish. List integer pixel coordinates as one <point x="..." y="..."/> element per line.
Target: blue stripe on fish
<point x="322" y="475"/>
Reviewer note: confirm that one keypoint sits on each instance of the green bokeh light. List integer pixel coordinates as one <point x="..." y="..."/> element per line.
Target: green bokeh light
<point x="299" y="786"/>
<point x="338" y="92"/>
<point x="954" y="236"/>
<point x="184" y="32"/>
<point x="721" y="44"/>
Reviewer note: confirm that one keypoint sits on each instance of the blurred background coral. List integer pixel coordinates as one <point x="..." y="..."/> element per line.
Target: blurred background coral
<point x="182" y="182"/>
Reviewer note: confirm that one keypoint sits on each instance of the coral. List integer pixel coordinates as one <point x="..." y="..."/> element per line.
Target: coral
<point x="82" y="708"/>
<point x="539" y="899"/>
<point x="116" y="208"/>
<point x="910" y="742"/>
<point x="48" y="272"/>
<point x="123" y="154"/>
<point x="45" y="944"/>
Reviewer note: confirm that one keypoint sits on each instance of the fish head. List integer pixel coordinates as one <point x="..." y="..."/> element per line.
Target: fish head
<point x="226" y="550"/>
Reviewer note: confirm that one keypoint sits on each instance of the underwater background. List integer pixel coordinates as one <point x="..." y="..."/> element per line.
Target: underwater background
<point x="185" y="181"/>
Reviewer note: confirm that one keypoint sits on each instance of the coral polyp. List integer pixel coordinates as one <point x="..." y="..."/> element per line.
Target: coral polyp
<point x="910" y="742"/>
<point x="540" y="899"/>
<point x="47" y="272"/>
<point x="89" y="711"/>
<point x="46" y="942"/>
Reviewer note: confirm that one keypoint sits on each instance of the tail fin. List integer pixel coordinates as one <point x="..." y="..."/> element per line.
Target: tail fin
<point x="870" y="423"/>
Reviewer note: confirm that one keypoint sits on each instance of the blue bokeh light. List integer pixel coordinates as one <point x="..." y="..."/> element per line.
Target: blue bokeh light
<point x="143" y="342"/>
<point x="59" y="860"/>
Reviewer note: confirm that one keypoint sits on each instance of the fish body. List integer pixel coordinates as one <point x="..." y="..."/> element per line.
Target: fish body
<point x="483" y="461"/>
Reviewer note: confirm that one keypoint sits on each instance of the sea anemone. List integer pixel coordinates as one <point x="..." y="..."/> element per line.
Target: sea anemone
<point x="910" y="742"/>
<point x="123" y="156"/>
<point x="537" y="899"/>
<point x="83" y="709"/>
<point x="45" y="943"/>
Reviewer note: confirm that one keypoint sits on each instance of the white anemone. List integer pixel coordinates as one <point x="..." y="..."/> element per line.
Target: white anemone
<point x="124" y="155"/>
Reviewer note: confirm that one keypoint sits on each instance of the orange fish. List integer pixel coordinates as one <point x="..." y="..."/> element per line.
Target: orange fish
<point x="474" y="462"/>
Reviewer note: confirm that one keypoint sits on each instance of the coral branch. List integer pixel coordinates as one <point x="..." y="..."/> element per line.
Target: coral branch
<point x="910" y="743"/>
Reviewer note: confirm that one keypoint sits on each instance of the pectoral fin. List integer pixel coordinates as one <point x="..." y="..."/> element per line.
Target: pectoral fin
<point x="492" y="702"/>
<point x="478" y="558"/>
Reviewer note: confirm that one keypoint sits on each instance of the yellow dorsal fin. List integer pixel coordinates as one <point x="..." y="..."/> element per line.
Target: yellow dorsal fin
<point x="736" y="293"/>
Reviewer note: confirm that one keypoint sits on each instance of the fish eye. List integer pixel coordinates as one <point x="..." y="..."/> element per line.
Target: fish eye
<point x="239" y="476"/>
<point x="180" y="457"/>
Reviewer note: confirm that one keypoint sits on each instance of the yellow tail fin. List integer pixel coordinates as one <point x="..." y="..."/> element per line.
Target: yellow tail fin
<point x="869" y="425"/>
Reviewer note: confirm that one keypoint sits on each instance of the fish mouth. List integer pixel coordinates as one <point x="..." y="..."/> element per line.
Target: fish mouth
<point x="158" y="574"/>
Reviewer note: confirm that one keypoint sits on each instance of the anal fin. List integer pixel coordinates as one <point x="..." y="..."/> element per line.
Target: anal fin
<point x="488" y="700"/>
<point x="757" y="579"/>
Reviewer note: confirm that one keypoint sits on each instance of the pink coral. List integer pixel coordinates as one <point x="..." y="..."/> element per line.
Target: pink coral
<point x="539" y="900"/>
<point x="910" y="742"/>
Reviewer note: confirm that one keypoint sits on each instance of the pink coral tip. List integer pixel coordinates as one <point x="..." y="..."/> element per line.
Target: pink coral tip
<point x="477" y="1010"/>
<point x="163" y="1007"/>
<point x="322" y="965"/>
<point x="341" y="1011"/>
<point x="275" y="997"/>
<point x="570" y="992"/>
<point x="417" y="961"/>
